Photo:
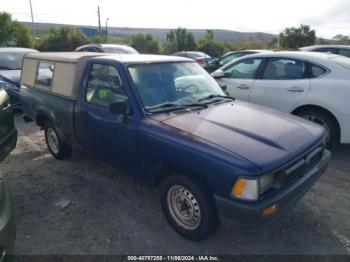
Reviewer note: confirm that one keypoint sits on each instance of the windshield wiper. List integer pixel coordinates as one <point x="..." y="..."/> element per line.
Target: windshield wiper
<point x="216" y="96"/>
<point x="170" y="106"/>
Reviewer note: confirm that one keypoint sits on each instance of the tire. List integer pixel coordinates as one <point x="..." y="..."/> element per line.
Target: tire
<point x="198" y="219"/>
<point x="57" y="148"/>
<point x="327" y="121"/>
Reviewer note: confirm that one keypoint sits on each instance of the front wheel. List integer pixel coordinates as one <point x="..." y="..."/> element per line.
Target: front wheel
<point x="57" y="148"/>
<point x="188" y="207"/>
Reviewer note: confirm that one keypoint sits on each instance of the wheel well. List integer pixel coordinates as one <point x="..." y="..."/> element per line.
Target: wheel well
<point x="41" y="120"/>
<point x="318" y="108"/>
<point x="164" y="169"/>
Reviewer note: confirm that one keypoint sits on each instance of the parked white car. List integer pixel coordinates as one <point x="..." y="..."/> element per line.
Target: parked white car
<point x="343" y="50"/>
<point x="315" y="86"/>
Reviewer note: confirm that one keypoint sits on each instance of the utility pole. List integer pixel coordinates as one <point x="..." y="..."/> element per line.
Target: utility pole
<point x="107" y="26"/>
<point x="99" y="19"/>
<point x="31" y="14"/>
<point x="31" y="10"/>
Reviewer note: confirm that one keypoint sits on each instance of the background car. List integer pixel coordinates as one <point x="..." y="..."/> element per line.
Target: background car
<point x="343" y="50"/>
<point x="8" y="139"/>
<point x="311" y="85"/>
<point x="228" y="57"/>
<point x="107" y="48"/>
<point x="10" y="71"/>
<point x="201" y="58"/>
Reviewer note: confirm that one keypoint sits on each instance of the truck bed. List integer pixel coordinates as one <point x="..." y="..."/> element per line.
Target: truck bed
<point x="39" y="105"/>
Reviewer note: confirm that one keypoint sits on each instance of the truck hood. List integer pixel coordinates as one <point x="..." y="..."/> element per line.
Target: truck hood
<point x="263" y="136"/>
<point x="12" y="76"/>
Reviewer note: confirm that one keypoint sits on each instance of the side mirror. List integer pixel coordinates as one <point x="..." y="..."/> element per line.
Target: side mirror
<point x="51" y="67"/>
<point x="218" y="74"/>
<point x="120" y="108"/>
<point x="213" y="61"/>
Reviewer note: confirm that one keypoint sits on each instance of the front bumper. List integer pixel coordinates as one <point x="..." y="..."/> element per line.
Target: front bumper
<point x="250" y="213"/>
<point x="7" y="144"/>
<point x="7" y="222"/>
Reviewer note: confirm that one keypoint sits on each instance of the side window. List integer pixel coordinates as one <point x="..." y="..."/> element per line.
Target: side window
<point x="316" y="71"/>
<point x="104" y="86"/>
<point x="44" y="74"/>
<point x="245" y="69"/>
<point x="94" y="49"/>
<point x="229" y="58"/>
<point x="325" y="50"/>
<point x="284" y="69"/>
<point x="344" y="52"/>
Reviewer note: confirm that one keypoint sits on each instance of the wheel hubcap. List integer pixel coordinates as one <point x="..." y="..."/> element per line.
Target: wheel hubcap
<point x="183" y="207"/>
<point x="321" y="122"/>
<point x="52" y="140"/>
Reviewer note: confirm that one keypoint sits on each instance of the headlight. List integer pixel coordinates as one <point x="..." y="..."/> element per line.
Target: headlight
<point x="265" y="183"/>
<point x="246" y="189"/>
<point x="250" y="189"/>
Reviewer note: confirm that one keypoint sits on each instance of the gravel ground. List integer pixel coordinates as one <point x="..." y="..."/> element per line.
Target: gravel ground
<point x="107" y="212"/>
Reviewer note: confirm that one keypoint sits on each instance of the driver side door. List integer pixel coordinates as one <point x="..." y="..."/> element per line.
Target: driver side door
<point x="240" y="77"/>
<point x="101" y="132"/>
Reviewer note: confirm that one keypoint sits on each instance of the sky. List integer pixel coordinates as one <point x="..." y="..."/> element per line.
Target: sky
<point x="327" y="17"/>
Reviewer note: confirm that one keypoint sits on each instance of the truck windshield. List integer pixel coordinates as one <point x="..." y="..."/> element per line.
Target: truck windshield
<point x="167" y="86"/>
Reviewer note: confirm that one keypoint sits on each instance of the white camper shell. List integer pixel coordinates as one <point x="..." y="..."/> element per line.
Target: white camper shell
<point x="58" y="72"/>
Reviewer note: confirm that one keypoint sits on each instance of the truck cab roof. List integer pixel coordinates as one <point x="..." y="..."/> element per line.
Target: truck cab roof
<point x="75" y="57"/>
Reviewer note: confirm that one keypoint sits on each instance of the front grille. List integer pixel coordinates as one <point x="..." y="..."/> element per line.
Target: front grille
<point x="303" y="164"/>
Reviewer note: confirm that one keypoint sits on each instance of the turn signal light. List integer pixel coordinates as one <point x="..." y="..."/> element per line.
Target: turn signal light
<point x="269" y="211"/>
<point x="239" y="187"/>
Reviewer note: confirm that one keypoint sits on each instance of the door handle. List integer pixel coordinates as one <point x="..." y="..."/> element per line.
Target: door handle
<point x="243" y="86"/>
<point x="296" y="89"/>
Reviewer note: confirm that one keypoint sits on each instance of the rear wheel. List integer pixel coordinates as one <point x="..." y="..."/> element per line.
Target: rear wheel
<point x="325" y="120"/>
<point x="56" y="147"/>
<point x="188" y="207"/>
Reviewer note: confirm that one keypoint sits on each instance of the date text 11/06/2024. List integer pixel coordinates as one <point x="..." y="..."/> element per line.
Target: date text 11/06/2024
<point x="173" y="258"/>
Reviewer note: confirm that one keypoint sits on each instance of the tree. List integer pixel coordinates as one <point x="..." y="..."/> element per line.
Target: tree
<point x="23" y="36"/>
<point x="180" y="40"/>
<point x="251" y="43"/>
<point x="145" y="43"/>
<point x="63" y="39"/>
<point x="98" y="39"/>
<point x="293" y="38"/>
<point x="13" y="33"/>
<point x="323" y="41"/>
<point x="341" y="39"/>
<point x="210" y="46"/>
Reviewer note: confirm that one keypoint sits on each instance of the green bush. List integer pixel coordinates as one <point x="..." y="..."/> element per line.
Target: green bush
<point x="62" y="39"/>
<point x="251" y="43"/>
<point x="145" y="43"/>
<point x="13" y="33"/>
<point x="211" y="46"/>
<point x="294" y="38"/>
<point x="180" y="40"/>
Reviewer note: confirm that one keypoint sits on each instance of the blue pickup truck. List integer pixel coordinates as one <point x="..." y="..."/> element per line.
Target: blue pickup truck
<point x="166" y="122"/>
